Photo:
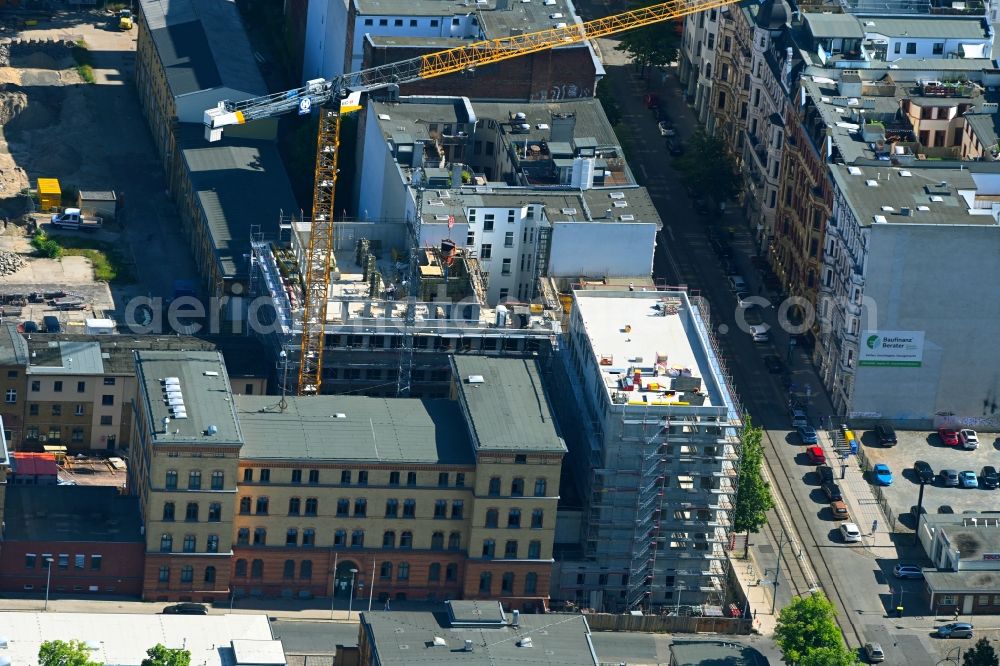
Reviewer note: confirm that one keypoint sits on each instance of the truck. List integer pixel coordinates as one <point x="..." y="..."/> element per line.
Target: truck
<point x="72" y="218"/>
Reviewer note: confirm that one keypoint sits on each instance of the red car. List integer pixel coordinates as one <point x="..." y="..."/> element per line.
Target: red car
<point x="949" y="437"/>
<point x="816" y="455"/>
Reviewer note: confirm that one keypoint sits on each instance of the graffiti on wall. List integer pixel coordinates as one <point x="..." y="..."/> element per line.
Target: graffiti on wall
<point x="562" y="92"/>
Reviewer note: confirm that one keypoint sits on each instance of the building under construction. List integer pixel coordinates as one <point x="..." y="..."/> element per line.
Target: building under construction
<point x="654" y="454"/>
<point x="366" y="329"/>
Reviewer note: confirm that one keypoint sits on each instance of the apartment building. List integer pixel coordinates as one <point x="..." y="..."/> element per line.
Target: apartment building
<point x="697" y="60"/>
<point x="652" y="451"/>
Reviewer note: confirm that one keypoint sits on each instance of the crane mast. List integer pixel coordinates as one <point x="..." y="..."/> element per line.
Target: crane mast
<point x="324" y="94"/>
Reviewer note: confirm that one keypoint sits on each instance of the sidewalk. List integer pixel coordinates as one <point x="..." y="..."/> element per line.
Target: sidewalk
<point x="748" y="574"/>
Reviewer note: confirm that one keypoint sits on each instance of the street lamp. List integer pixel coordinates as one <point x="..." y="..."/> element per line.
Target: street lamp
<point x="48" y="580"/>
<point x="350" y="602"/>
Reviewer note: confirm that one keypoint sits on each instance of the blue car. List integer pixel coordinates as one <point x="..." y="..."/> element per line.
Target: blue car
<point x="882" y="474"/>
<point x="808" y="435"/>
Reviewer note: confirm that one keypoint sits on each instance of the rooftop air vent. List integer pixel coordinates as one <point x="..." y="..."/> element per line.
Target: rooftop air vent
<point x="211" y="373"/>
<point x="879" y="219"/>
<point x="871" y="183"/>
<point x="854" y="171"/>
<point x="477" y="379"/>
<point x="905" y="174"/>
<point x="525" y="642"/>
<point x="440" y="642"/>
<point x="627" y="218"/>
<point x="888" y="209"/>
<point x="568" y="211"/>
<point x="617" y="195"/>
<point x="340" y="415"/>
<point x="621" y="204"/>
<point x="557" y="15"/>
<point x="936" y="199"/>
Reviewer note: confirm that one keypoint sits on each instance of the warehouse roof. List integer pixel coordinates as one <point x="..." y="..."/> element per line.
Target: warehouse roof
<point x="65" y="357"/>
<point x="71" y="513"/>
<point x="506" y="403"/>
<point x="202" y="45"/>
<point x="13" y="346"/>
<point x="239" y="183"/>
<point x="354" y="428"/>
<point x="201" y="379"/>
<point x="405" y="638"/>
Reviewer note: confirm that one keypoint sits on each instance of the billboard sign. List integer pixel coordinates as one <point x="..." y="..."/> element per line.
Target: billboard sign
<point x="900" y="349"/>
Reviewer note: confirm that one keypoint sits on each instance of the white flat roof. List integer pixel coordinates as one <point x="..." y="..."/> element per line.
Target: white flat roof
<point x="258" y="652"/>
<point x="122" y="639"/>
<point x="629" y="331"/>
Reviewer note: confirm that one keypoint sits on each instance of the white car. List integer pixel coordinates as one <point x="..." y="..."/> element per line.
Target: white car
<point x="737" y="284"/>
<point x="742" y="299"/>
<point x="850" y="532"/>
<point x="761" y="333"/>
<point x="666" y="129"/>
<point x="968" y="439"/>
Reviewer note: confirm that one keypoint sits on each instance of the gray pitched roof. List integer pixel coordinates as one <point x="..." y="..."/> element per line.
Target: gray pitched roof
<point x="13" y="346"/>
<point x="827" y="26"/>
<point x="354" y="428"/>
<point x="927" y="27"/>
<point x="506" y="404"/>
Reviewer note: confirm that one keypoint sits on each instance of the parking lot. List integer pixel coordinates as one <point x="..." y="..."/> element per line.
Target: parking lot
<point x="927" y="446"/>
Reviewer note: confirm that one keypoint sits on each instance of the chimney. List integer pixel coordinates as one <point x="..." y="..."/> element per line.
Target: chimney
<point x="516" y="621"/>
<point x="468" y="645"/>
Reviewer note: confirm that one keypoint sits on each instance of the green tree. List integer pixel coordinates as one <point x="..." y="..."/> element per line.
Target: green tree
<point x="707" y="166"/>
<point x="807" y="624"/>
<point x="981" y="654"/>
<point x="652" y="46"/>
<point x="64" y="653"/>
<point x="608" y="101"/>
<point x="830" y="656"/>
<point x="753" y="493"/>
<point x="160" y="655"/>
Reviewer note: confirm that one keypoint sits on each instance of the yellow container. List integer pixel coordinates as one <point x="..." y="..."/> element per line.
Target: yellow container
<point x="849" y="435"/>
<point x="49" y="194"/>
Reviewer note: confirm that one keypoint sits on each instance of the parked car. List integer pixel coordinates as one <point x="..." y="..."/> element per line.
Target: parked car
<point x="968" y="479"/>
<point x="808" y="434"/>
<point x="882" y="474"/>
<point x="816" y="455"/>
<point x="955" y="630"/>
<point x="186" y="609"/>
<point x="832" y="492"/>
<point x="666" y="129"/>
<point x="741" y="299"/>
<point x="839" y="510"/>
<point x="754" y="316"/>
<point x="923" y="471"/>
<point x="51" y="324"/>
<point x="949" y="478"/>
<point x="988" y="478"/>
<point x="949" y="436"/>
<point x="874" y="653"/>
<point x="774" y="364"/>
<point x="969" y="439"/>
<point x="28" y="327"/>
<point x="907" y="571"/>
<point x="886" y="435"/>
<point x="675" y="146"/>
<point x="737" y="284"/>
<point x="825" y="473"/>
<point x="761" y="333"/>
<point x="798" y="417"/>
<point x="850" y="532"/>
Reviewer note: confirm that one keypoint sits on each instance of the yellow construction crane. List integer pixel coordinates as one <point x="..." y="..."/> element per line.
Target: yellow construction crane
<point x="342" y="94"/>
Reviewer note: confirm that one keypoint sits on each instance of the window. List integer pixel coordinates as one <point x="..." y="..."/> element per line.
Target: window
<point x="168" y="511"/>
<point x="457" y="509"/>
<point x="191" y="512"/>
<point x="435" y="23"/>
<point x="11" y="396"/>
<point x="459" y="480"/>
<point x="537" y="518"/>
<point x="470" y="238"/>
<point x="241" y="568"/>
<point x="57" y="386"/>
<point x="385" y="571"/>
<point x="340" y="538"/>
<point x="510" y="550"/>
<point x="32" y="410"/>
<point x="369" y="22"/>
<point x="312" y="506"/>
<point x="345" y="477"/>
<point x="514" y="518"/>
<point x="517" y="487"/>
<point x="166" y="543"/>
<point x="437" y="541"/>
<point x="398" y="23"/>
<point x="306" y="569"/>
<point x="389" y="539"/>
<point x="363" y="478"/>
<point x="711" y="41"/>
<point x="443" y="479"/>
<point x="505" y="269"/>
<point x="360" y="508"/>
<point x="108" y="381"/>
<point x="948" y="600"/>
<point x="534" y="550"/>
<point x="507" y="583"/>
<point x="434" y="572"/>
<point x="488" y="222"/>
<point x="107" y="400"/>
<point x="540" y="487"/>
<point x="248" y="475"/>
<point x="265" y="476"/>
<point x="343" y="508"/>
<point x="486" y="251"/>
<point x="81" y="387"/>
<point x="244" y="506"/>
<point x="164" y="574"/>
<point x="95" y="562"/>
<point x="262" y="505"/>
<point x="36" y="386"/>
<point x="911" y="48"/>
<point x="494" y="490"/>
<point x="455" y="541"/>
<point x="209" y="574"/>
<point x="486" y="583"/>
<point x="530" y="582"/>
<point x="411" y="478"/>
<point x="194" y="480"/>
<point x="79" y="561"/>
<point x="260" y="536"/>
<point x="721" y="104"/>
<point x="358" y="538"/>
<point x="393" y="478"/>
<point x="520" y="459"/>
<point x="508" y="239"/>
<point x="440" y="508"/>
<point x="492" y="518"/>
<point x="489" y="548"/>
<point x="190" y="541"/>
<point x="78" y="410"/>
<point x="308" y="537"/>
<point x="314" y="476"/>
<point x="406" y="539"/>
<point x="383" y="22"/>
<point x="29" y="560"/>
<point x="212" y="543"/>
<point x="257" y="569"/>
<point x="413" y="23"/>
<point x="218" y="479"/>
<point x="77" y="435"/>
<point x="403" y="573"/>
<point x="243" y="536"/>
<point x="56" y="410"/>
<point x="451" y="572"/>
<point x="293" y="506"/>
<point x="896" y="47"/>
<point x="409" y="508"/>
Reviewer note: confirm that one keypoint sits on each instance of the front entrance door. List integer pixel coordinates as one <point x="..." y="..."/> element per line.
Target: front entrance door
<point x="967" y="603"/>
<point x="342" y="579"/>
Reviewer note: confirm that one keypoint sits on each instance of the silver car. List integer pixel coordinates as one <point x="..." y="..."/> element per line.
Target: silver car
<point x="949" y="478"/>
<point x="874" y="653"/>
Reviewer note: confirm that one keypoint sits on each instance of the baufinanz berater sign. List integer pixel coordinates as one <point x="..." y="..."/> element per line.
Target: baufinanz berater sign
<point x="900" y="349"/>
